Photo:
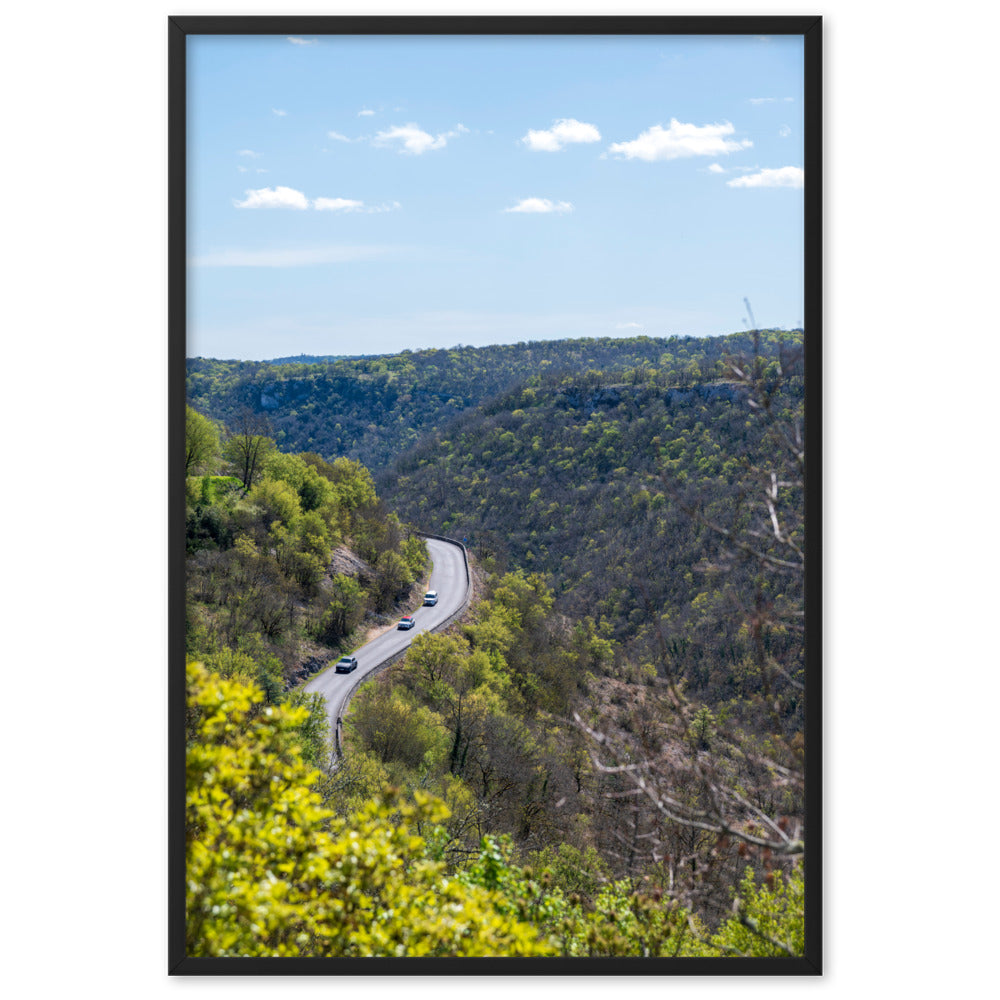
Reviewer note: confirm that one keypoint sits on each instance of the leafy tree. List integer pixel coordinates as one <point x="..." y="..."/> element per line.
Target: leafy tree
<point x="277" y="501"/>
<point x="392" y="579"/>
<point x="248" y="446"/>
<point x="202" y="440"/>
<point x="344" y="610"/>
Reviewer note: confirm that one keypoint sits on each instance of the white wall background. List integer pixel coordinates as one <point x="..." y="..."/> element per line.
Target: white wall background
<point x="910" y="450"/>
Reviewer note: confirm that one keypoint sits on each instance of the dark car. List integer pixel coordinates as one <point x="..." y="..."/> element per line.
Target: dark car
<point x="407" y="622"/>
<point x="346" y="664"/>
<point x="430" y="598"/>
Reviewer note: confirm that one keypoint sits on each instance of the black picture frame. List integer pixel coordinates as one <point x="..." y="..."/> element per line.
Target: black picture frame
<point x="179" y="28"/>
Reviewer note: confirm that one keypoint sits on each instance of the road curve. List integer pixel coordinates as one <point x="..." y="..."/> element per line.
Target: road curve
<point x="449" y="578"/>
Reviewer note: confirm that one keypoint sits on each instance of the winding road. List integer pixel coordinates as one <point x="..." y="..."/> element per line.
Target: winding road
<point x="450" y="579"/>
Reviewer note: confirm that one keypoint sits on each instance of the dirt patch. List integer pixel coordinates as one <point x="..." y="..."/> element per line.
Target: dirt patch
<point x="348" y="563"/>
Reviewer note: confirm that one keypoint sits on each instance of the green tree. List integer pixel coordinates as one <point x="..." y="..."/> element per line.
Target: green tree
<point x="248" y="446"/>
<point x="343" y="613"/>
<point x="202" y="443"/>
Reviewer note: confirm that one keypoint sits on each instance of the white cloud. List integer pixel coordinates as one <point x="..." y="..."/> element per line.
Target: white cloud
<point x="413" y="139"/>
<point x="628" y="326"/>
<point x="681" y="139"/>
<point x="563" y="132"/>
<point x="279" y="112"/>
<point x="260" y="170"/>
<point x="364" y="112"/>
<point x="716" y="169"/>
<point x="537" y="205"/>
<point x="302" y="41"/>
<point x="761" y="100"/>
<point x="289" y="257"/>
<point x="248" y="152"/>
<point x="337" y="205"/>
<point x="785" y="131"/>
<point x="338" y="137"/>
<point x="241" y="168"/>
<point x="790" y="177"/>
<point x="278" y="197"/>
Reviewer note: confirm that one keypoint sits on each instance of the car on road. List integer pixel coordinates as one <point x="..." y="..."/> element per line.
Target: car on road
<point x="346" y="664"/>
<point x="407" y="622"/>
<point x="430" y="598"/>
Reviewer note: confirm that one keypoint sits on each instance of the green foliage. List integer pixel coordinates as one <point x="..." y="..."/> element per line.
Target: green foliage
<point x="247" y="448"/>
<point x="271" y="872"/>
<point x="575" y="872"/>
<point x="769" y="919"/>
<point x="618" y="922"/>
<point x="389" y="725"/>
<point x="344" y="610"/>
<point x="275" y="500"/>
<point x="701" y="729"/>
<point x="202" y="443"/>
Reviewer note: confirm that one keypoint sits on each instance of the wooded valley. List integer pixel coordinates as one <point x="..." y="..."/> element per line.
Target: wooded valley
<point x="605" y="756"/>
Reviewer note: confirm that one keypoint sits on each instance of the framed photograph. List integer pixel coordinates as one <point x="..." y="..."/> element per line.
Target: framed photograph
<point x="495" y="596"/>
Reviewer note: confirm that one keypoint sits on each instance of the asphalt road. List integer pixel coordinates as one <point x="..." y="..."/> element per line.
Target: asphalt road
<point x="448" y="579"/>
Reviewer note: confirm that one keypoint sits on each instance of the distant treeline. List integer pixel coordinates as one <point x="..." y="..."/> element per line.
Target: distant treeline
<point x="373" y="409"/>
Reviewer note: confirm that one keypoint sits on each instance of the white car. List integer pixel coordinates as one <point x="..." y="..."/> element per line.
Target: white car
<point x="430" y="598"/>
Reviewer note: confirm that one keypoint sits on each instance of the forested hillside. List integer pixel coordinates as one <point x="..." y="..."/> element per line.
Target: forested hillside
<point x="605" y="757"/>
<point x="288" y="558"/>
<point x="374" y="408"/>
<point x="590" y="481"/>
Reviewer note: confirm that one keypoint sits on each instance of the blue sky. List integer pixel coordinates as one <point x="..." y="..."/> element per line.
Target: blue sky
<point x="370" y="194"/>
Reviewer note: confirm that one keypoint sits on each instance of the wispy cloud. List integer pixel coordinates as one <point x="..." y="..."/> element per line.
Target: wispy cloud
<point x="540" y="205"/>
<point x="338" y="137"/>
<point x="790" y="177"/>
<point x="679" y="140"/>
<point x="337" y="204"/>
<point x="351" y="205"/>
<point x="785" y="131"/>
<point x="285" y="197"/>
<point x="303" y="41"/>
<point x="715" y="168"/>
<point x="296" y="257"/>
<point x="278" y="197"/>
<point x="248" y="152"/>
<point x="414" y="140"/>
<point x="279" y="112"/>
<point x="563" y="132"/>
<point x="628" y="326"/>
<point x="762" y="100"/>
<point x="365" y="112"/>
